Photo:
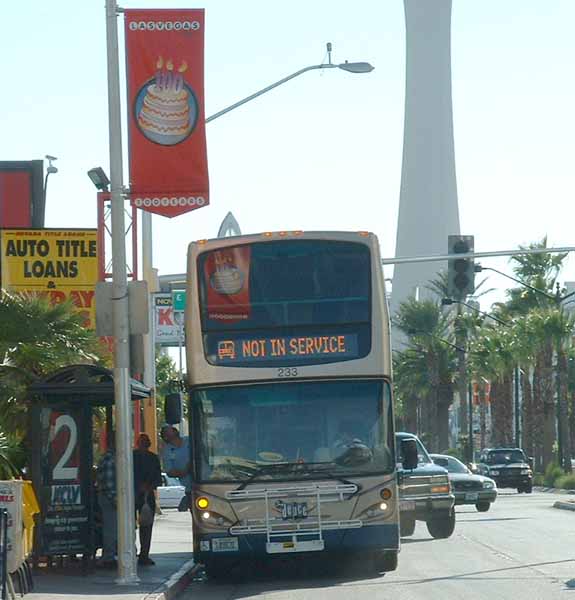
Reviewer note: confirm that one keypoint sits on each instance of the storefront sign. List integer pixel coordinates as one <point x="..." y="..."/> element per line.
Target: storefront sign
<point x="168" y="324"/>
<point x="167" y="139"/>
<point x="59" y="264"/>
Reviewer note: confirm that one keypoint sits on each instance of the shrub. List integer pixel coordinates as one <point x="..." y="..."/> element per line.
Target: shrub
<point x="566" y="482"/>
<point x="457" y="452"/>
<point x="552" y="472"/>
<point x="538" y="479"/>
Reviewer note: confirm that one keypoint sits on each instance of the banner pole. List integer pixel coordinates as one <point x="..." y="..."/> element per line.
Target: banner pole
<point x="127" y="573"/>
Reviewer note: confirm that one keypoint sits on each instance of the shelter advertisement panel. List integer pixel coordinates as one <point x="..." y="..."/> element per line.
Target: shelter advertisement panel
<point x="166" y="121"/>
<point x="61" y="264"/>
<point x="65" y="491"/>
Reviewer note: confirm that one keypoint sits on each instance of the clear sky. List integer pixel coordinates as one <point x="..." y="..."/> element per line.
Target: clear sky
<point x="324" y="150"/>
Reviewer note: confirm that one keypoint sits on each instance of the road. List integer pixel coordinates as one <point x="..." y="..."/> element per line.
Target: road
<point x="521" y="549"/>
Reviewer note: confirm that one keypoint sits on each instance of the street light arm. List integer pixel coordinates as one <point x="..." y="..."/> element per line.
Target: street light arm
<point x="269" y="88"/>
<point x="530" y="287"/>
<point x="448" y="301"/>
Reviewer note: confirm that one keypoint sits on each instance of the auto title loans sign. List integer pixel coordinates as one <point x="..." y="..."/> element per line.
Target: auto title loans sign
<point x="61" y="264"/>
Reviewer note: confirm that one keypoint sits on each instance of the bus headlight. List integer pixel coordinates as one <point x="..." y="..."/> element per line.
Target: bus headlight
<point x="382" y="509"/>
<point x="213" y="519"/>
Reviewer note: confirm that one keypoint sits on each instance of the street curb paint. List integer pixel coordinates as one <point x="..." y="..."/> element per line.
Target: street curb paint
<point x="176" y="584"/>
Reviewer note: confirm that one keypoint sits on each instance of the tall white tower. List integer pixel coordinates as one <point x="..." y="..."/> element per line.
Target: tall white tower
<point x="428" y="210"/>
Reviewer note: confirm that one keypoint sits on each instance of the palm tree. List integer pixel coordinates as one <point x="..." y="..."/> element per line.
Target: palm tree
<point x="424" y="370"/>
<point x="35" y="339"/>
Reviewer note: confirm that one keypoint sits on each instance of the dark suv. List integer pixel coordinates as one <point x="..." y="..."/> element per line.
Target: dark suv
<point x="509" y="467"/>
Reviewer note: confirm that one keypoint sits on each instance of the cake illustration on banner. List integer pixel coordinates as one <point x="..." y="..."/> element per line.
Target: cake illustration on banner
<point x="166" y="107"/>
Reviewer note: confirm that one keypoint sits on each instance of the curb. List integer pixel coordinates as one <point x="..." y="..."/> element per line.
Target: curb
<point x="176" y="584"/>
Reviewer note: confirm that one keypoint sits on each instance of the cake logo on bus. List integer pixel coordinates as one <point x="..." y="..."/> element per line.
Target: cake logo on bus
<point x="166" y="108"/>
<point x="227" y="283"/>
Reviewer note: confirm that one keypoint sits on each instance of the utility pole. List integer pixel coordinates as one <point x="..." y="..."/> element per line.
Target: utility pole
<point x="122" y="391"/>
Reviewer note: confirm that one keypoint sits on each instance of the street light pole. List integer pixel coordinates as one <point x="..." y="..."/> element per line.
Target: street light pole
<point x="124" y="463"/>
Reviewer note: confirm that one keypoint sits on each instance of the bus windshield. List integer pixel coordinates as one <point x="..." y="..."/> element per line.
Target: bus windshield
<point x="293" y="430"/>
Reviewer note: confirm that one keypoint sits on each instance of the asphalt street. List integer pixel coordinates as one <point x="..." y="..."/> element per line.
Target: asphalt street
<point x="521" y="549"/>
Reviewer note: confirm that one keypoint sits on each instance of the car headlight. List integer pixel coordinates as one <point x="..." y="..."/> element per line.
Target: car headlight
<point x="494" y="472"/>
<point x="441" y="489"/>
<point x="525" y="471"/>
<point x="488" y="485"/>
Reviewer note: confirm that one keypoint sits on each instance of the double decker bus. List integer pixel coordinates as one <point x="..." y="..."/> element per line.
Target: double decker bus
<point x="291" y="415"/>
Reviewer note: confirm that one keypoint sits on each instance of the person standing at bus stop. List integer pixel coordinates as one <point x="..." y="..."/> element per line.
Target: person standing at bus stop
<point x="147" y="477"/>
<point x="106" y="480"/>
<point x="176" y="458"/>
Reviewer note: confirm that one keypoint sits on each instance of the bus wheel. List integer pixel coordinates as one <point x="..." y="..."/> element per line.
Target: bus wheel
<point x="406" y="526"/>
<point x="441" y="527"/>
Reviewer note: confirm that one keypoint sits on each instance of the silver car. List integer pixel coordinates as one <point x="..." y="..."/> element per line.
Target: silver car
<point x="171" y="492"/>
<point x="467" y="487"/>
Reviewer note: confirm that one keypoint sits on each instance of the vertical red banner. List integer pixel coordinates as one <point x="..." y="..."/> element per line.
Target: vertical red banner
<point x="227" y="281"/>
<point x="166" y="122"/>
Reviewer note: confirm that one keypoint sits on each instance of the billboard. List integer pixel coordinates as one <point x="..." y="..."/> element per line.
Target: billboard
<point x="166" y="121"/>
<point x="21" y="194"/>
<point x="61" y="264"/>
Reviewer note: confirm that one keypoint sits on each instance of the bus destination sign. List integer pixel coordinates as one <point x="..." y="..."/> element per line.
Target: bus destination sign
<point x="290" y="348"/>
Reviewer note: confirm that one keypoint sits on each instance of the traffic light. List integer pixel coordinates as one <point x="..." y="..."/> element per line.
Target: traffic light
<point x="461" y="271"/>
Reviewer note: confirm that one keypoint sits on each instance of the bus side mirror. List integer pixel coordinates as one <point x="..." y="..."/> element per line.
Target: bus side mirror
<point x="409" y="453"/>
<point x="173" y="408"/>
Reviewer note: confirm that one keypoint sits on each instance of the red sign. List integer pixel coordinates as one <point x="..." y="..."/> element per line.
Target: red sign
<point x="227" y="281"/>
<point x="15" y="198"/>
<point x="166" y="123"/>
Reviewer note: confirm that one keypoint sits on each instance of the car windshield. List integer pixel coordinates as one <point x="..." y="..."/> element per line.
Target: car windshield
<point x="499" y="457"/>
<point x="284" y="431"/>
<point x="456" y="466"/>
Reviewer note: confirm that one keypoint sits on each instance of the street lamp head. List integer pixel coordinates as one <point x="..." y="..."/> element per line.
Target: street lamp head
<point x="51" y="168"/>
<point x="447" y="301"/>
<point x="99" y="178"/>
<point x="356" y="67"/>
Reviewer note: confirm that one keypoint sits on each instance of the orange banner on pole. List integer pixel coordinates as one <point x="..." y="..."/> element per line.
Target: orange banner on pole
<point x="166" y="124"/>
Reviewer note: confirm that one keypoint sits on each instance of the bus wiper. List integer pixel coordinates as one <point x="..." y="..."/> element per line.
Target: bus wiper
<point x="326" y="472"/>
<point x="262" y="470"/>
<point x="296" y="467"/>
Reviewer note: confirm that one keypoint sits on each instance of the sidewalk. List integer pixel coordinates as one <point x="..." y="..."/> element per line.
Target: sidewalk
<point x="171" y="549"/>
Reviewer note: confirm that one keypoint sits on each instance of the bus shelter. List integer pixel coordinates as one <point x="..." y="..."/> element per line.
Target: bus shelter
<point x="64" y="407"/>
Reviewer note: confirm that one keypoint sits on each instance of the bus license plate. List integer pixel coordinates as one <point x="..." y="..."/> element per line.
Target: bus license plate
<point x="225" y="545"/>
<point x="294" y="510"/>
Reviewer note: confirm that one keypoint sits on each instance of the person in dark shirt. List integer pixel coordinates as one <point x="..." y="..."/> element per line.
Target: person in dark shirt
<point x="147" y="477"/>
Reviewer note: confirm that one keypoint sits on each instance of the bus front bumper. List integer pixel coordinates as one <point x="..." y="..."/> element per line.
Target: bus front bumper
<point x="368" y="539"/>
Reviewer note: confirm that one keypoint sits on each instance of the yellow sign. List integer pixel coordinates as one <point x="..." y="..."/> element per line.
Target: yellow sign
<point x="59" y="263"/>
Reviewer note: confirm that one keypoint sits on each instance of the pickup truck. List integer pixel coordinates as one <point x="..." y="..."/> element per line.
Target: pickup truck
<point x="425" y="493"/>
<point x="508" y="467"/>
